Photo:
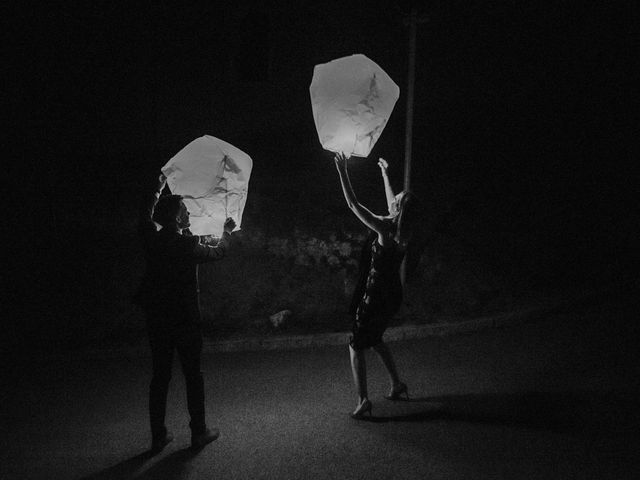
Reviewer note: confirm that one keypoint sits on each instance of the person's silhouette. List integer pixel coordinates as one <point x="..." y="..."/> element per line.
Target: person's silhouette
<point x="378" y="294"/>
<point x="168" y="294"/>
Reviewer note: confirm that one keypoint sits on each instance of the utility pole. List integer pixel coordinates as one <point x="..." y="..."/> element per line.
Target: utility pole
<point x="412" y="21"/>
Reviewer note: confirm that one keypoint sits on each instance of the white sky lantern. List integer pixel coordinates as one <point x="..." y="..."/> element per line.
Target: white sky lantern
<point x="213" y="178"/>
<point x="352" y="99"/>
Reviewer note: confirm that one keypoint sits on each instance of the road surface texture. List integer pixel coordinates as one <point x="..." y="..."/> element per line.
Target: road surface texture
<point x="551" y="399"/>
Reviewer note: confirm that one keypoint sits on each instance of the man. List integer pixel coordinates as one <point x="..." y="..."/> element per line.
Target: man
<point x="169" y="296"/>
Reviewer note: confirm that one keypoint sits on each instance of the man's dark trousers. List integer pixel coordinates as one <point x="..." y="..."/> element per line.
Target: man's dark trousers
<point x="169" y="332"/>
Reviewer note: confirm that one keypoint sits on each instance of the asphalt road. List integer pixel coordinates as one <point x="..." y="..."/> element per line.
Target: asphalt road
<point x="552" y="399"/>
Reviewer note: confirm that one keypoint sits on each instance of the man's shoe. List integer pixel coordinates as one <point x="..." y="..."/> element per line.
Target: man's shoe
<point x="157" y="444"/>
<point x="199" y="440"/>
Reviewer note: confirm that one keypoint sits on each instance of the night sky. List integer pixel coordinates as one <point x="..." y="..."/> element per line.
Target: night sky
<point x="525" y="114"/>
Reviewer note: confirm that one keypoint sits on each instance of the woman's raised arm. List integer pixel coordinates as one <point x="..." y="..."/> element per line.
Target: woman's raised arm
<point x="388" y="191"/>
<point x="371" y="220"/>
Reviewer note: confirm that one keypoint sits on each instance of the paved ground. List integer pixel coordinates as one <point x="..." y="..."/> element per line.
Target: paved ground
<point x="551" y="399"/>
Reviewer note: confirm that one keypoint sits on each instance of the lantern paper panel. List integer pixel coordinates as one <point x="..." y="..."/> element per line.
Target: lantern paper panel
<point x="213" y="178"/>
<point x="352" y="99"/>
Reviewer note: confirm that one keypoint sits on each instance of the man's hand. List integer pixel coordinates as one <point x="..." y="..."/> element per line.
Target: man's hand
<point x="384" y="166"/>
<point x="229" y="225"/>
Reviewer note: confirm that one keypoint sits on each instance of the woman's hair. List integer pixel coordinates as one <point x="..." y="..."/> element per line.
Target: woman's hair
<point x="167" y="209"/>
<point x="409" y="213"/>
<point x="410" y="233"/>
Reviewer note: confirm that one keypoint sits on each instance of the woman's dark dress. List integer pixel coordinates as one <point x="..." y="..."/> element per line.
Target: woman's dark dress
<point x="378" y="295"/>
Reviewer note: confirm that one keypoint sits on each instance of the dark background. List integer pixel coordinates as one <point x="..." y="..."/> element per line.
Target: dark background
<point x="525" y="126"/>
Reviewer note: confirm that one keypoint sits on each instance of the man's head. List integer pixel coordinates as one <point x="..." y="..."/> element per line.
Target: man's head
<point x="172" y="212"/>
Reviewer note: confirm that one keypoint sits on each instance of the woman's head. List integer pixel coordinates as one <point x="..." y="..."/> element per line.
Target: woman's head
<point x="410" y="235"/>
<point x="407" y="218"/>
<point x="394" y="209"/>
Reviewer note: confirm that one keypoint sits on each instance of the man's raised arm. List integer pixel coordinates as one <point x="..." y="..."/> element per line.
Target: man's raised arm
<point x="145" y="219"/>
<point x="207" y="253"/>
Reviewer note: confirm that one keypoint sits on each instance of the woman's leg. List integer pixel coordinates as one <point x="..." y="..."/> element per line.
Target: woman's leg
<point x="387" y="359"/>
<point x="359" y="370"/>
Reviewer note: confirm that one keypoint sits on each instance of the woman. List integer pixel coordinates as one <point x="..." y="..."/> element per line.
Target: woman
<point x="380" y="296"/>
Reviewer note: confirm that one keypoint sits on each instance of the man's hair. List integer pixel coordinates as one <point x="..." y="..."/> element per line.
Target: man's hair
<point x="166" y="209"/>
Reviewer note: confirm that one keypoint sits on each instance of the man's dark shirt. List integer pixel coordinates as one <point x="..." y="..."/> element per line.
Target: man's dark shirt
<point x="170" y="283"/>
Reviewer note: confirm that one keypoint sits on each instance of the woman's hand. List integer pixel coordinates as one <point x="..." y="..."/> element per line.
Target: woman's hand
<point x="340" y="159"/>
<point x="384" y="166"/>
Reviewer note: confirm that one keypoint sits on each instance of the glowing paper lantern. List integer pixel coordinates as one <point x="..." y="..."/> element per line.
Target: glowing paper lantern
<point x="352" y="99"/>
<point x="213" y="177"/>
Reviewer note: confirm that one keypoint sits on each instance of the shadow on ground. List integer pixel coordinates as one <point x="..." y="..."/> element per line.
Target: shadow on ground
<point x="612" y="412"/>
<point x="171" y="467"/>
